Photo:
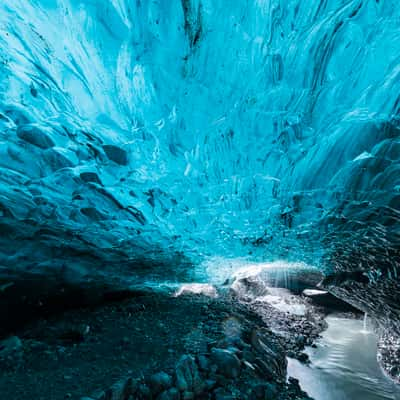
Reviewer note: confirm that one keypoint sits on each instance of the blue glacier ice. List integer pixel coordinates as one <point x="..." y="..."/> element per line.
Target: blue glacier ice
<point x="143" y="137"/>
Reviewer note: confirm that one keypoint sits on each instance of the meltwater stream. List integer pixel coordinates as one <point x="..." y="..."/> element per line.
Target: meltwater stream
<point x="344" y="365"/>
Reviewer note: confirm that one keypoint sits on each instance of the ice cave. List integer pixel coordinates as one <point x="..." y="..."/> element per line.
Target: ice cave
<point x="199" y="199"/>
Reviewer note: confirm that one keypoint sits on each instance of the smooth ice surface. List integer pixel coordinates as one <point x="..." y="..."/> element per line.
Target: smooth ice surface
<point x="153" y="133"/>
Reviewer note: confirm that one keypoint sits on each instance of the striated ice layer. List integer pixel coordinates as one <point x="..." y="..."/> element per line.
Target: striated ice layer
<point x="156" y="133"/>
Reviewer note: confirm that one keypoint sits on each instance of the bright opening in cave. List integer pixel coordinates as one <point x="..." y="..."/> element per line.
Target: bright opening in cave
<point x="224" y="172"/>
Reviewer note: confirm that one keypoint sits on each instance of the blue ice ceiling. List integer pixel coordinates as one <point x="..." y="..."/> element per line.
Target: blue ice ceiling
<point x="135" y="131"/>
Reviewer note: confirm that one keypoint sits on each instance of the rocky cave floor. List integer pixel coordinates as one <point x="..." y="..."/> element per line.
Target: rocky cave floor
<point x="157" y="346"/>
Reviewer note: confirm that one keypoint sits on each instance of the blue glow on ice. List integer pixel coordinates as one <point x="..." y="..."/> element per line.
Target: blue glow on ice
<point x="141" y="130"/>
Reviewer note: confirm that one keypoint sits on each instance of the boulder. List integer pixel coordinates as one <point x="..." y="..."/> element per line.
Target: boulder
<point x="204" y="362"/>
<point x="120" y="390"/>
<point x="222" y="394"/>
<point x="159" y="382"/>
<point x="227" y="362"/>
<point x="142" y="393"/>
<point x="188" y="377"/>
<point x="98" y="395"/>
<point x="188" y="395"/>
<point x="271" y="357"/>
<point x="11" y="350"/>
<point x="264" y="391"/>
<point x="171" y="394"/>
<point x="265" y="370"/>
<point x="10" y="345"/>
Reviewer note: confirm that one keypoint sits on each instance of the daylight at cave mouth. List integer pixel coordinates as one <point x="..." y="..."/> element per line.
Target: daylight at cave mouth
<point x="199" y="199"/>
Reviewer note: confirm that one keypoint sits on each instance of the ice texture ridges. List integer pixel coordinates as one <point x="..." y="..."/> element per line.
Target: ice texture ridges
<point x="147" y="130"/>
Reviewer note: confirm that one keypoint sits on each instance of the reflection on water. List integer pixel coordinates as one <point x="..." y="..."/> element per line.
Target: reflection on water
<point x="344" y="365"/>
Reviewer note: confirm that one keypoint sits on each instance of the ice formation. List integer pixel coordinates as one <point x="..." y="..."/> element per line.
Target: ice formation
<point x="144" y="135"/>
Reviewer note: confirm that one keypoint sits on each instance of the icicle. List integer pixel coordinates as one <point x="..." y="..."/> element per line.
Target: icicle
<point x="365" y="324"/>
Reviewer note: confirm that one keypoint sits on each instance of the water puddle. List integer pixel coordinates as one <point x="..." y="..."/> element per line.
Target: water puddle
<point x="344" y="365"/>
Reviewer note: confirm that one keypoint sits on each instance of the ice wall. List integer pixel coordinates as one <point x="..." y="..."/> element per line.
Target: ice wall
<point x="151" y="131"/>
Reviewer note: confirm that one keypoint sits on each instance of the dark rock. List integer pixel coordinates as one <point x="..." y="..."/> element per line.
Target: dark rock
<point x="248" y="356"/>
<point x="264" y="391"/>
<point x="10" y="346"/>
<point x="204" y="362"/>
<point x="11" y="353"/>
<point x="227" y="362"/>
<point x="325" y="299"/>
<point x="222" y="394"/>
<point x="300" y="341"/>
<point x="75" y="334"/>
<point x="303" y="357"/>
<point x="142" y="392"/>
<point x="294" y="381"/>
<point x="120" y="390"/>
<point x="222" y="380"/>
<point x="98" y="395"/>
<point x="271" y="358"/>
<point x="188" y="377"/>
<point x="291" y="354"/>
<point x="188" y="395"/>
<point x="171" y="394"/>
<point x="210" y="384"/>
<point x="265" y="370"/>
<point x="249" y="366"/>
<point x="159" y="382"/>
